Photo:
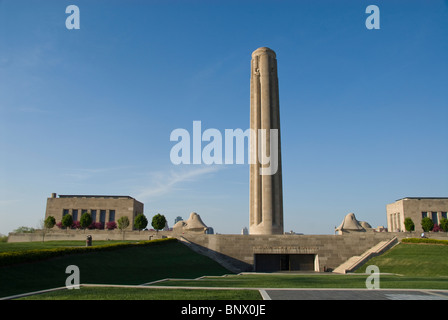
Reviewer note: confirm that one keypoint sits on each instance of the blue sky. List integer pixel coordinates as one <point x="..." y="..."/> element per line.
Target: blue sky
<point x="364" y="113"/>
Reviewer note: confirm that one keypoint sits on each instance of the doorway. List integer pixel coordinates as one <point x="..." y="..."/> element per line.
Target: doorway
<point x="285" y="262"/>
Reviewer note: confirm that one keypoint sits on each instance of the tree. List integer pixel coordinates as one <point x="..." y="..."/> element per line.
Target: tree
<point x="85" y="221"/>
<point x="444" y="224"/>
<point x="140" y="222"/>
<point x="49" y="222"/>
<point x="67" y="221"/>
<point x="24" y="230"/>
<point x="427" y="224"/>
<point x="158" y="222"/>
<point x="123" y="223"/>
<point x="409" y="224"/>
<point x="46" y="225"/>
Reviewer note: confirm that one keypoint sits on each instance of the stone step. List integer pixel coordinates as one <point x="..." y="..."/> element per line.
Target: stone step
<point x="356" y="261"/>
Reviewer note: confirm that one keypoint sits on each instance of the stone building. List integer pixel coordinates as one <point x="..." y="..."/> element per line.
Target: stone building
<point x="415" y="208"/>
<point x="103" y="209"/>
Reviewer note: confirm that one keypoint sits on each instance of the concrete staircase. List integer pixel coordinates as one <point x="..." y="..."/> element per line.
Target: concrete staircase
<point x="357" y="261"/>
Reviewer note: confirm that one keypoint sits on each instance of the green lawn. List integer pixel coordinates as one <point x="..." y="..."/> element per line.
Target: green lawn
<point x="313" y="281"/>
<point x="99" y="293"/>
<point x="420" y="260"/>
<point x="420" y="266"/>
<point x="131" y="266"/>
<point x="21" y="246"/>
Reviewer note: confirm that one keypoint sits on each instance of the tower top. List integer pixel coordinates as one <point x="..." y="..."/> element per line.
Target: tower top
<point x="263" y="50"/>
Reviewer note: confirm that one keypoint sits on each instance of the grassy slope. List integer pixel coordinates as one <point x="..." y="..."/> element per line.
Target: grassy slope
<point x="423" y="260"/>
<point x="135" y="265"/>
<point x="424" y="266"/>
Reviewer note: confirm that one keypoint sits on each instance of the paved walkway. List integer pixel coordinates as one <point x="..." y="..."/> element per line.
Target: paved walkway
<point x="294" y="294"/>
<point x="353" y="294"/>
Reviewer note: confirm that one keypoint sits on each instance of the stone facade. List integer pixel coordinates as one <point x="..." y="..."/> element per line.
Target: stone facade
<point x="317" y="252"/>
<point x="56" y="234"/>
<point x="102" y="208"/>
<point x="416" y="209"/>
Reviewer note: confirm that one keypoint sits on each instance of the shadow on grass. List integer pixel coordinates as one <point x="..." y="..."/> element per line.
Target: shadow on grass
<point x="131" y="266"/>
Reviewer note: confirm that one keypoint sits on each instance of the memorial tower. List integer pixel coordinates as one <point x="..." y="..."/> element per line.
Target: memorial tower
<point x="266" y="196"/>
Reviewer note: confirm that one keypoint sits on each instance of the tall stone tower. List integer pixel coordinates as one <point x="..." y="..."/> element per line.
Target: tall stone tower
<point x="266" y="196"/>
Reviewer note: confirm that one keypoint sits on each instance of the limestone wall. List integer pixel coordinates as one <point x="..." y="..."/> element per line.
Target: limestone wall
<point x="331" y="250"/>
<point x="97" y="235"/>
<point x="237" y="252"/>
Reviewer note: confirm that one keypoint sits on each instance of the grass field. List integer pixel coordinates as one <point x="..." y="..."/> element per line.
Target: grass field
<point x="131" y="266"/>
<point x="20" y="246"/>
<point x="420" y="266"/>
<point x="95" y="293"/>
<point x="313" y="281"/>
<point x="422" y="260"/>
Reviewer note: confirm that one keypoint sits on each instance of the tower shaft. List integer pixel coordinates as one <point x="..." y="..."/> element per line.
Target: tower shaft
<point x="266" y="196"/>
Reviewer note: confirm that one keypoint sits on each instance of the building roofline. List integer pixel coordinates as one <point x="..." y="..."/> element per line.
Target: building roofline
<point x="418" y="198"/>
<point x="95" y="196"/>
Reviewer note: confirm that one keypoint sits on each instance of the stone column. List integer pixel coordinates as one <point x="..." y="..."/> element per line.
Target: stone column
<point x="266" y="196"/>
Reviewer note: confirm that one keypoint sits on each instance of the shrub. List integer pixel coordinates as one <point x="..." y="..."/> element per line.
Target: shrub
<point x="436" y="228"/>
<point x="96" y="225"/>
<point x="49" y="222"/>
<point x="86" y="220"/>
<point x="409" y="224"/>
<point x="123" y="223"/>
<point x="67" y="221"/>
<point x="444" y="224"/>
<point x="24" y="230"/>
<point x="419" y="240"/>
<point x="111" y="225"/>
<point x="76" y="225"/>
<point x="158" y="222"/>
<point x="140" y="222"/>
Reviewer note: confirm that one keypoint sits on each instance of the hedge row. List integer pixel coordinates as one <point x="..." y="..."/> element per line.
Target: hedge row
<point x="15" y="257"/>
<point x="419" y="240"/>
